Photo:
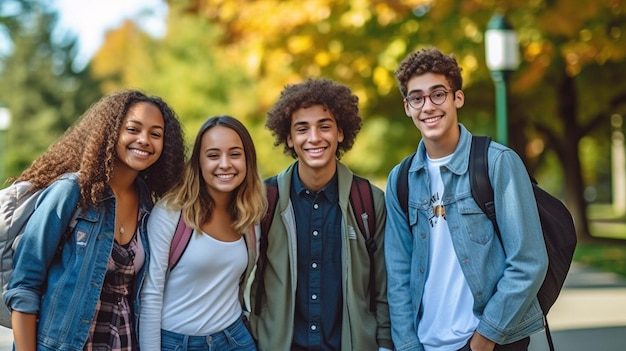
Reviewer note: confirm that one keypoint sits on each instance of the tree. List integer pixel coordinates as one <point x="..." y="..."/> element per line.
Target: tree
<point x="557" y="98"/>
<point x="40" y="87"/>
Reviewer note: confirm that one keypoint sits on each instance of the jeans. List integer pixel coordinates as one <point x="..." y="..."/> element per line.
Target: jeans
<point x="234" y="337"/>
<point x="520" y="345"/>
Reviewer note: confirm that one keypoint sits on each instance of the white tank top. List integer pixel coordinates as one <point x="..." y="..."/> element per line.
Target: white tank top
<point x="201" y="295"/>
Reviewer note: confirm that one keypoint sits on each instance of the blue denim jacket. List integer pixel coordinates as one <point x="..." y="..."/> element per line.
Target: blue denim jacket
<point x="504" y="285"/>
<point x="63" y="286"/>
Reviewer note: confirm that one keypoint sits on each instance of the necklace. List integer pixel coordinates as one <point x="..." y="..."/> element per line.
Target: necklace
<point x="122" y="229"/>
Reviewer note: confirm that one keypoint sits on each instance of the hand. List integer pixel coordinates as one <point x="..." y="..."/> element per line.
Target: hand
<point x="481" y="343"/>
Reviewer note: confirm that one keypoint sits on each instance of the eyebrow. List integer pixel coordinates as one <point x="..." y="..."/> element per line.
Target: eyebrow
<point x="134" y="121"/>
<point x="319" y="121"/>
<point x="434" y="87"/>
<point x="218" y="149"/>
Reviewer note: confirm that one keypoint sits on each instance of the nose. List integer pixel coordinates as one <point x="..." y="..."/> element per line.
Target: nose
<point x="314" y="135"/>
<point x="143" y="138"/>
<point x="428" y="104"/>
<point x="224" y="162"/>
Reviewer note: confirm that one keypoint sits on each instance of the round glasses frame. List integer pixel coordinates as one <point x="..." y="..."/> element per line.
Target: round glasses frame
<point x="437" y="97"/>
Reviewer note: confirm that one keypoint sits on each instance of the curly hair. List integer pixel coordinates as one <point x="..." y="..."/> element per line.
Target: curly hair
<point x="429" y="60"/>
<point x="336" y="97"/>
<point x="88" y="147"/>
<point x="248" y="202"/>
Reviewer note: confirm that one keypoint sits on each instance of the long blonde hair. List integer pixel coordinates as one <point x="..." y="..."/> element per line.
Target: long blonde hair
<point x="248" y="202"/>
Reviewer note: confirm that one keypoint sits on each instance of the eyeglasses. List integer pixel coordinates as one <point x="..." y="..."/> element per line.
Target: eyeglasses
<point x="417" y="101"/>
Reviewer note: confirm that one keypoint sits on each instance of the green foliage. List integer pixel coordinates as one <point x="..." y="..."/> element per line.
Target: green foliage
<point x="235" y="56"/>
<point x="606" y="257"/>
<point x="39" y="86"/>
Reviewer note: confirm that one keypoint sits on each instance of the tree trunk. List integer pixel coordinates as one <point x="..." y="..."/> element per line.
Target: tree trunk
<point x="567" y="150"/>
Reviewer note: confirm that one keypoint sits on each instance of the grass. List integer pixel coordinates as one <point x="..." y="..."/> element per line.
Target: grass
<point x="605" y="223"/>
<point x="610" y="258"/>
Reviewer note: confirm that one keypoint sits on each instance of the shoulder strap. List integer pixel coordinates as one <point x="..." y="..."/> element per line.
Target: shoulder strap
<point x="271" y="189"/>
<point x="364" y="206"/>
<point x="402" y="185"/>
<point x="179" y="242"/>
<point x="482" y="192"/>
<point x="363" y="209"/>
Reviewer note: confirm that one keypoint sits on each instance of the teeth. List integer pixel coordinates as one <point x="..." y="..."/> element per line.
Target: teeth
<point x="317" y="150"/>
<point x="139" y="152"/>
<point x="430" y="120"/>
<point x="225" y="176"/>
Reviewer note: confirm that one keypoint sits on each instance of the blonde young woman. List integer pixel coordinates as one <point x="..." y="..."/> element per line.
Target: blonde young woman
<point x="196" y="306"/>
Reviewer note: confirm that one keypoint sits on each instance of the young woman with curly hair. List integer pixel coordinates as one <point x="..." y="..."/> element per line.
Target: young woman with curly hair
<point x="317" y="268"/>
<point x="196" y="303"/>
<point x="80" y="262"/>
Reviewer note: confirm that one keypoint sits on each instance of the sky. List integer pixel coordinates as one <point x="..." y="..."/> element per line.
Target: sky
<point x="90" y="19"/>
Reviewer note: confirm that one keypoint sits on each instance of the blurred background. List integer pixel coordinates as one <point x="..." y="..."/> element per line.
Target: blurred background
<point x="565" y="99"/>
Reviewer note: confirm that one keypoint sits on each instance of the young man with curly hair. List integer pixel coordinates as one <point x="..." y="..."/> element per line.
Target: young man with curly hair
<point x="316" y="273"/>
<point x="453" y="284"/>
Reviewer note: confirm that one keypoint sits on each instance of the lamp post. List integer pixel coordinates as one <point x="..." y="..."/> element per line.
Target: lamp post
<point x="502" y="53"/>
<point x="5" y="122"/>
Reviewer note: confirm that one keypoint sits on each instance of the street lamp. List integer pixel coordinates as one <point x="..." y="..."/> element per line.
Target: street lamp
<point x="5" y="122"/>
<point x="502" y="53"/>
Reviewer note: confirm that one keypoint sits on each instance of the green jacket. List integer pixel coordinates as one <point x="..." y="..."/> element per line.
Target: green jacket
<point x="361" y="329"/>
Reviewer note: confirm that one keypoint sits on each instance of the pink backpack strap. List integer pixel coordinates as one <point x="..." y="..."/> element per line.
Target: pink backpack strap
<point x="179" y="243"/>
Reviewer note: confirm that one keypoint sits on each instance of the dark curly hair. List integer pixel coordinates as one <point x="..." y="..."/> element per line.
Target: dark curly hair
<point x="429" y="60"/>
<point x="336" y="97"/>
<point x="88" y="146"/>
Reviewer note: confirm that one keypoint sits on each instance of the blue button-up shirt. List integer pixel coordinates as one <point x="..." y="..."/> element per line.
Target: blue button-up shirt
<point x="318" y="293"/>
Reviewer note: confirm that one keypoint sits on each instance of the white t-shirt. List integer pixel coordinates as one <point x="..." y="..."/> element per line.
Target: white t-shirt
<point x="447" y="319"/>
<point x="200" y="296"/>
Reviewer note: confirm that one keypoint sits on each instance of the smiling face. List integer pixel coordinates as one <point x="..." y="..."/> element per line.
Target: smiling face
<point x="437" y="123"/>
<point x="140" y="141"/>
<point x="315" y="136"/>
<point x="222" y="160"/>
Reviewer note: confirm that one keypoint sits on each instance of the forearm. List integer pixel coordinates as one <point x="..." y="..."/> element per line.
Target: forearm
<point x="24" y="331"/>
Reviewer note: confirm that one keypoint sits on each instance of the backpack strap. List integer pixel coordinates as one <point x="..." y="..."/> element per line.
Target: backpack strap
<point x="271" y="188"/>
<point x="365" y="216"/>
<point x="402" y="184"/>
<point x="482" y="192"/>
<point x="179" y="243"/>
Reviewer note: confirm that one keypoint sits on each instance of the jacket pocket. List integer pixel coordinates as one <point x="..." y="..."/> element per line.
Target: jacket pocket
<point x="477" y="225"/>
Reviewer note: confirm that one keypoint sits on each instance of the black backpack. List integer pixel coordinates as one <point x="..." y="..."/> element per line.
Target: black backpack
<point x="360" y="190"/>
<point x="557" y="223"/>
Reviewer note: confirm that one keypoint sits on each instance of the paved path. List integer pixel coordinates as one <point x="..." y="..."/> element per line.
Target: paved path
<point x="590" y="314"/>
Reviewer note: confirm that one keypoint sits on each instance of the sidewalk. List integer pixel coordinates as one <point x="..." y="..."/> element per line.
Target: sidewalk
<point x="589" y="315"/>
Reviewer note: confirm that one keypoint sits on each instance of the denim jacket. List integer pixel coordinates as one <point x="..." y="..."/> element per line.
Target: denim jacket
<point x="504" y="277"/>
<point x="59" y="272"/>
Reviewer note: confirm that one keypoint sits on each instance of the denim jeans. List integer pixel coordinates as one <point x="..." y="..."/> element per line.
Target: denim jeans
<point x="234" y="337"/>
<point x="520" y="345"/>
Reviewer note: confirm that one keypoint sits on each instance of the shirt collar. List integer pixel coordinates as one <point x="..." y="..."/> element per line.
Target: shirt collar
<point x="330" y="190"/>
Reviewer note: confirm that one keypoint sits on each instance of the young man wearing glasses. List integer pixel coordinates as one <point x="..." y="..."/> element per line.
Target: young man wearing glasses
<point x="452" y="284"/>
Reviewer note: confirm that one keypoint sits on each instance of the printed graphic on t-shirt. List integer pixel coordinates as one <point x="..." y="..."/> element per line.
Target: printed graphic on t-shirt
<point x="436" y="210"/>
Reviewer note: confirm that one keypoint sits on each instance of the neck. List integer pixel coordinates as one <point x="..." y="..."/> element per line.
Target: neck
<point x="221" y="199"/>
<point x="443" y="146"/>
<point x="121" y="184"/>
<point x="315" y="179"/>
